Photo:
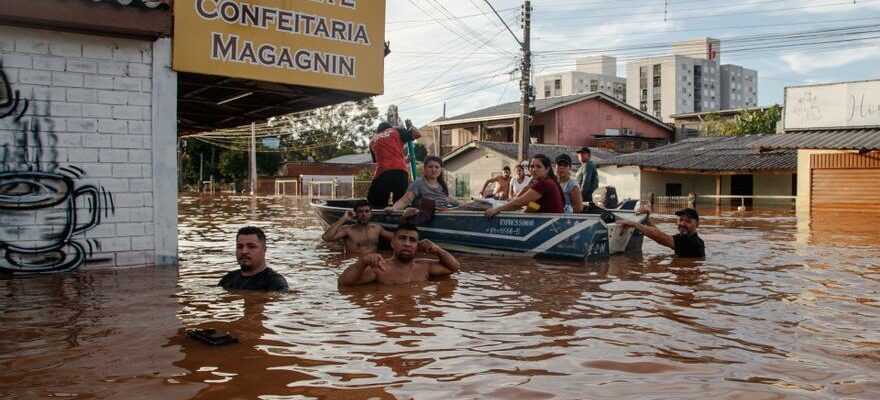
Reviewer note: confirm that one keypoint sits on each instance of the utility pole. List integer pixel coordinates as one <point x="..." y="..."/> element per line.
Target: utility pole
<point x="524" y="85"/>
<point x="253" y="163"/>
<point x="524" y="82"/>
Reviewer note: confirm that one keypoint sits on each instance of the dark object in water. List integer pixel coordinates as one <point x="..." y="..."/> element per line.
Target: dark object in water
<point x="607" y="217"/>
<point x="212" y="337"/>
<point x="426" y="211"/>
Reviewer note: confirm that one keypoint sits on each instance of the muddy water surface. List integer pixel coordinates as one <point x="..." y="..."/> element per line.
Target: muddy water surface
<point x="779" y="309"/>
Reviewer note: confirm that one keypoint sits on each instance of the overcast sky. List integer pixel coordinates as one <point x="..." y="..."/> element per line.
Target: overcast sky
<point x="459" y="52"/>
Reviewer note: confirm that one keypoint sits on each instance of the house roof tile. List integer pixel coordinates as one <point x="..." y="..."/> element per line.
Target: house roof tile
<point x="550" y="150"/>
<point x="544" y="105"/>
<point x="727" y="153"/>
<point x="844" y="139"/>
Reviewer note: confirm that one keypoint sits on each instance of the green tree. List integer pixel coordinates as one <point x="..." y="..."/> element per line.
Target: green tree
<point x="234" y="163"/>
<point x="756" y="122"/>
<point x="746" y="122"/>
<point x="329" y="131"/>
<point x="714" y="125"/>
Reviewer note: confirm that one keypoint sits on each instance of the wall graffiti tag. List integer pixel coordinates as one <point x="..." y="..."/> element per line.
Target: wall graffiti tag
<point x="44" y="207"/>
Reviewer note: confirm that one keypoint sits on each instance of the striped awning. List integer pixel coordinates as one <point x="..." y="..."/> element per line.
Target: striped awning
<point x="842" y="139"/>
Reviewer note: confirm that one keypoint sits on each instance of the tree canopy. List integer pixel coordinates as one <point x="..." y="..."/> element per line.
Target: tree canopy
<point x="746" y="122"/>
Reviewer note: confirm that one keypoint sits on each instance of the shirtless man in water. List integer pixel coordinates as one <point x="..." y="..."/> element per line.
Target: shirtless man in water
<point x="402" y="266"/>
<point x="363" y="236"/>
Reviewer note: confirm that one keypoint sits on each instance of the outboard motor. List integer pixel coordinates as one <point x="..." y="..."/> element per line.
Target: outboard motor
<point x="605" y="197"/>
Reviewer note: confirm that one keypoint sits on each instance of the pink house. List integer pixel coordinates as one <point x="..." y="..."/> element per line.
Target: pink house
<point x="589" y="119"/>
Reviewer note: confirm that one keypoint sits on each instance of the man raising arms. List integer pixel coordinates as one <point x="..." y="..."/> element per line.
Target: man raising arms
<point x="363" y="236"/>
<point x="402" y="266"/>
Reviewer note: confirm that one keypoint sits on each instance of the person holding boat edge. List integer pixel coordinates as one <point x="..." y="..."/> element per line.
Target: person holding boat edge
<point x="686" y="242"/>
<point x="363" y="236"/>
<point x="432" y="185"/>
<point x="250" y="251"/>
<point x="402" y="266"/>
<point x="544" y="190"/>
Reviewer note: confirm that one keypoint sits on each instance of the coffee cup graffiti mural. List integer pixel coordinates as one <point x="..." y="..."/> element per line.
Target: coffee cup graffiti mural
<point x="44" y="207"/>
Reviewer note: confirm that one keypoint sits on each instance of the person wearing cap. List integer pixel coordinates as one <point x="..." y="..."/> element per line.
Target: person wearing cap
<point x="587" y="177"/>
<point x="571" y="192"/>
<point x="391" y="177"/>
<point x="686" y="242"/>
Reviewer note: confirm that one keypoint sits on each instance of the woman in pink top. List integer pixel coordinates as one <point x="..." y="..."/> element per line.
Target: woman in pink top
<point x="543" y="190"/>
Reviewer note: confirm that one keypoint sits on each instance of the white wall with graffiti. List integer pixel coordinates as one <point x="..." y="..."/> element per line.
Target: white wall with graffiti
<point x="81" y="149"/>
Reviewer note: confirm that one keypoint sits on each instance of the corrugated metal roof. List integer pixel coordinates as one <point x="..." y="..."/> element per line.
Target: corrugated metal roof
<point x="725" y="153"/>
<point x="845" y="139"/>
<point x="157" y="4"/>
<point x="550" y="150"/>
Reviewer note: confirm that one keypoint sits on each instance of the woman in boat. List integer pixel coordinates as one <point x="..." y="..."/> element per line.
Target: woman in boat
<point x="544" y="190"/>
<point x="571" y="192"/>
<point x="432" y="185"/>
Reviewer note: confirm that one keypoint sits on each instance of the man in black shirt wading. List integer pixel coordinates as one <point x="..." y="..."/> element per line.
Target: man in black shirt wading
<point x="250" y="251"/>
<point x="686" y="243"/>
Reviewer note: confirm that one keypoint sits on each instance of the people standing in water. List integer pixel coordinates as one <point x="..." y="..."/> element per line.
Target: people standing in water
<point x="431" y="185"/>
<point x="544" y="190"/>
<point x="502" y="185"/>
<point x="254" y="274"/>
<point x="587" y="176"/>
<point x="363" y="236"/>
<point x="686" y="242"/>
<point x="571" y="192"/>
<point x="402" y="266"/>
<point x="519" y="181"/>
<point x="391" y="176"/>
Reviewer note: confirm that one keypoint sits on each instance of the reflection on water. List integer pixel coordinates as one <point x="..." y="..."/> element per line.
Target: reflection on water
<point x="776" y="311"/>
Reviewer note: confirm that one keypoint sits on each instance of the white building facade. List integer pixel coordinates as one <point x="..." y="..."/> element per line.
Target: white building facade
<point x="593" y="74"/>
<point x="690" y="80"/>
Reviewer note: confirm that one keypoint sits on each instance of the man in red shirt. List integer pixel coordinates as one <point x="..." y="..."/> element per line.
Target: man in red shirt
<point x="391" y="177"/>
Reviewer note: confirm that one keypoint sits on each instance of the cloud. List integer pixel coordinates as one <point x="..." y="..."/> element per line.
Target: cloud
<point x="803" y="63"/>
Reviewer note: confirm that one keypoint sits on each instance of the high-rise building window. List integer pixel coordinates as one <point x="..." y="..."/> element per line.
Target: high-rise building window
<point x="557" y="84"/>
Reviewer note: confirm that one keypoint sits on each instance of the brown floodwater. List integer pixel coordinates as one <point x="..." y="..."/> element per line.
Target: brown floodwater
<point x="779" y="309"/>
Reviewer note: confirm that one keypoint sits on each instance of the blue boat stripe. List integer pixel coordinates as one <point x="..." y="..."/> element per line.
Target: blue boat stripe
<point x="492" y="235"/>
<point x="562" y="236"/>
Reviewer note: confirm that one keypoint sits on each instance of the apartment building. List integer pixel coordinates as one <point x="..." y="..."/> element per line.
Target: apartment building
<point x="592" y="74"/>
<point x="740" y="88"/>
<point x="690" y="80"/>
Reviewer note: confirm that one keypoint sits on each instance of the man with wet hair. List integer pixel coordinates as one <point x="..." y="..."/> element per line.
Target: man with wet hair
<point x="254" y="274"/>
<point x="402" y="266"/>
<point x="686" y="242"/>
<point x="362" y="237"/>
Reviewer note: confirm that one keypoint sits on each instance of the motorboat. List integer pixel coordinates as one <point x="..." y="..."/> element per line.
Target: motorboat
<point x="548" y="235"/>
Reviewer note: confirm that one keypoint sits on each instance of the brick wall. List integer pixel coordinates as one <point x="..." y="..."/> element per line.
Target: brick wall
<point x="89" y="120"/>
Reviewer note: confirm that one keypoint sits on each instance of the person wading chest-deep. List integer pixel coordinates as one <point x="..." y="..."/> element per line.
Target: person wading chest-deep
<point x="391" y="178"/>
<point x="254" y="274"/>
<point x="686" y="242"/>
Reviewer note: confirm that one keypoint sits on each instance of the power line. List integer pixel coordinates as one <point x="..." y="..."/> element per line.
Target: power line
<point x="519" y="42"/>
